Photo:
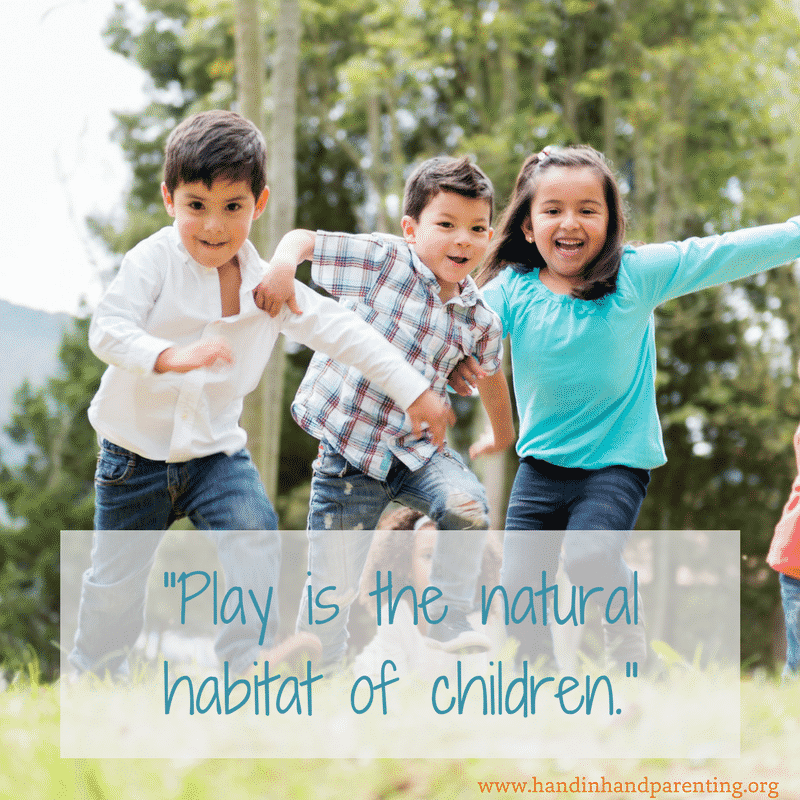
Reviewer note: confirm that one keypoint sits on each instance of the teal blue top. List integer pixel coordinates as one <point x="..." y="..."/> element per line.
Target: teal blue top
<point x="584" y="370"/>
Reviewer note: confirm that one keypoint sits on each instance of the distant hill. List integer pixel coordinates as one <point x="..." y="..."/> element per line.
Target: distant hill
<point x="29" y="341"/>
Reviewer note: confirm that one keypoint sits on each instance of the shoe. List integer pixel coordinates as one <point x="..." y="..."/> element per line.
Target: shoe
<point x="626" y="644"/>
<point x="454" y="634"/>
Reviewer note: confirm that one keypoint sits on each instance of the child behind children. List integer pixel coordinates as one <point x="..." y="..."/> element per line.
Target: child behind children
<point x="578" y="306"/>
<point x="404" y="543"/>
<point x="185" y="343"/>
<point x="418" y="293"/>
<point x="784" y="557"/>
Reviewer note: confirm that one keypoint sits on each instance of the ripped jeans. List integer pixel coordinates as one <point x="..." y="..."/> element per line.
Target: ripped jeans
<point x="344" y="509"/>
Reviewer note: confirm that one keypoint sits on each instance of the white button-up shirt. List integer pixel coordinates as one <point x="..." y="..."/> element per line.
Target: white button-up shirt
<point x="163" y="298"/>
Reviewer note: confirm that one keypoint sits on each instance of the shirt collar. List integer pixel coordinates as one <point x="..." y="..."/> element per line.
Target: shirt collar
<point x="468" y="291"/>
<point x="250" y="264"/>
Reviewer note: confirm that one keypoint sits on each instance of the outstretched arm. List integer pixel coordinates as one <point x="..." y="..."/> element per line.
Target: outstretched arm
<point x="277" y="285"/>
<point x="496" y="399"/>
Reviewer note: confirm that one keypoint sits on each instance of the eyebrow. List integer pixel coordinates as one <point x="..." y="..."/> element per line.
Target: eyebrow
<point x="586" y="200"/>
<point x="238" y="197"/>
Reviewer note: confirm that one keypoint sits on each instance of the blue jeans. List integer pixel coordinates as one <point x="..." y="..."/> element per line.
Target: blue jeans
<point x="790" y="598"/>
<point x="216" y="492"/>
<point x="587" y="513"/>
<point x="345" y="507"/>
<point x="222" y="494"/>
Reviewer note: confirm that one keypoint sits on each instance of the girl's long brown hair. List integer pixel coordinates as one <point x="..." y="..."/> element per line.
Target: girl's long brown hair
<point x="510" y="248"/>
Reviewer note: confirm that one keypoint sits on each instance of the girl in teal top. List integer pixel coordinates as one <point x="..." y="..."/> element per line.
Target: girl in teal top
<point x="577" y="304"/>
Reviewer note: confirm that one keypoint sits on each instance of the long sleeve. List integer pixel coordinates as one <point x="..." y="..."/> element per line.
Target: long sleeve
<point x="327" y="327"/>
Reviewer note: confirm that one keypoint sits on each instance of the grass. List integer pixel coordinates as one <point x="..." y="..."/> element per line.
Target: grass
<point x="31" y="767"/>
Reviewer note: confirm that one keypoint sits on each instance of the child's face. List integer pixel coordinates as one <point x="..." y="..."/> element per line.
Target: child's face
<point x="450" y="237"/>
<point x="214" y="223"/>
<point x="568" y="222"/>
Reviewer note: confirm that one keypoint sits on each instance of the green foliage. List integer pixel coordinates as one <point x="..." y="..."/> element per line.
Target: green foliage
<point x="52" y="491"/>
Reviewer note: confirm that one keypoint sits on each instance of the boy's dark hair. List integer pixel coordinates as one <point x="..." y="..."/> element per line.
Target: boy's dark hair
<point x="510" y="248"/>
<point x="443" y="174"/>
<point x="212" y="145"/>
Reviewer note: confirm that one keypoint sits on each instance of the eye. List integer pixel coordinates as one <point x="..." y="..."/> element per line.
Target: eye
<point x="195" y="205"/>
<point x="445" y="224"/>
<point x="233" y="207"/>
<point x="479" y="229"/>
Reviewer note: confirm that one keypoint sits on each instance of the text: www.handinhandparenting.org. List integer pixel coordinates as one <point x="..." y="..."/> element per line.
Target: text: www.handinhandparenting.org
<point x="644" y="787"/>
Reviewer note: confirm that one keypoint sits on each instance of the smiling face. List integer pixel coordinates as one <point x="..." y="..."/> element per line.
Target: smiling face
<point x="450" y="237"/>
<point x="214" y="223"/>
<point x="568" y="222"/>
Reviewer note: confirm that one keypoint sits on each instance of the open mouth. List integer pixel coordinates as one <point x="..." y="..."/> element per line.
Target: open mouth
<point x="569" y="245"/>
<point x="458" y="259"/>
<point x="215" y="245"/>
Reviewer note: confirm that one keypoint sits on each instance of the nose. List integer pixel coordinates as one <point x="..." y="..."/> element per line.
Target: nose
<point x="461" y="236"/>
<point x="212" y="222"/>
<point x="569" y="220"/>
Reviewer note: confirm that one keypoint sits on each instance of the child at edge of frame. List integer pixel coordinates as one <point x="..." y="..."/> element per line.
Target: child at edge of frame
<point x="185" y="343"/>
<point x="418" y="292"/>
<point x="784" y="558"/>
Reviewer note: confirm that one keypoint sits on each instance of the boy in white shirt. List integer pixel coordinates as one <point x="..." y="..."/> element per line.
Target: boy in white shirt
<point x="185" y="343"/>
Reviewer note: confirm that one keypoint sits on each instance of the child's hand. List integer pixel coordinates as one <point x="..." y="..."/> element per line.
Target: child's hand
<point x="486" y="445"/>
<point x="275" y="289"/>
<point x="206" y="353"/>
<point x="431" y="409"/>
<point x="465" y="376"/>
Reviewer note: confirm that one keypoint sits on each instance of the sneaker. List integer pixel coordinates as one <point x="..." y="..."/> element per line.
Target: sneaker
<point x="626" y="644"/>
<point x="454" y="634"/>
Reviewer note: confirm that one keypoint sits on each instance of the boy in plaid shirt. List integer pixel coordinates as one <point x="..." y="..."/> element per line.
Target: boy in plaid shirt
<point x="417" y="292"/>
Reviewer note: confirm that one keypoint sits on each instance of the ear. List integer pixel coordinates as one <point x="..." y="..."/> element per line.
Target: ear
<point x="261" y="203"/>
<point x="167" y="198"/>
<point x="527" y="228"/>
<point x="491" y="233"/>
<point x="409" y="226"/>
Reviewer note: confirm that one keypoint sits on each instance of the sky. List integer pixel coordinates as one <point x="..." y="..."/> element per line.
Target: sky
<point x="60" y="85"/>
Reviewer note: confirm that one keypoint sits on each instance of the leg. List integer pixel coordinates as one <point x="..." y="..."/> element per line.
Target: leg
<point x="601" y="518"/>
<point x="344" y="509"/>
<point x="250" y="560"/>
<point x="450" y="494"/>
<point x="130" y="492"/>
<point x="224" y="494"/>
<point x="790" y="598"/>
<point x="113" y="596"/>
<point x="531" y="546"/>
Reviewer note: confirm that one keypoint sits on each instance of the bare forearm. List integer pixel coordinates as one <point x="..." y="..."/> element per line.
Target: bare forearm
<point x="496" y="399"/>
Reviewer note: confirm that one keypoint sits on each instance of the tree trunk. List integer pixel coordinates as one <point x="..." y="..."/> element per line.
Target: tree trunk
<point x="264" y="407"/>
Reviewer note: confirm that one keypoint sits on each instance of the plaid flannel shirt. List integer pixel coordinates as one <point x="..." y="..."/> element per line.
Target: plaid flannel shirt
<point x="382" y="279"/>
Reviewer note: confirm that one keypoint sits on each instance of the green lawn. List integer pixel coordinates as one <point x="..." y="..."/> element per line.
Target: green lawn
<point x="30" y="765"/>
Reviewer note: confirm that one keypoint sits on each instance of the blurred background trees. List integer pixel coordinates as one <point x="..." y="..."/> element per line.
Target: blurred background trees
<point x="694" y="104"/>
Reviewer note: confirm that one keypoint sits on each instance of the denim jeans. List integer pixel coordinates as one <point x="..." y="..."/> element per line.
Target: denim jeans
<point x="790" y="598"/>
<point x="222" y="494"/>
<point x="588" y="516"/>
<point x="216" y="492"/>
<point x="345" y="507"/>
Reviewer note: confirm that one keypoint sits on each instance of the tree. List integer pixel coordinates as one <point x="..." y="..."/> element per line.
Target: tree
<point x="51" y="492"/>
